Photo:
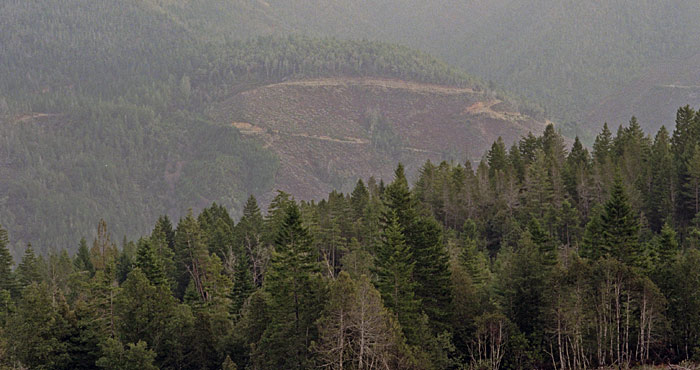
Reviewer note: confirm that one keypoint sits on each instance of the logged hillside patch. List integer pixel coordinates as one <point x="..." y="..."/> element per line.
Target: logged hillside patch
<point x="328" y="132"/>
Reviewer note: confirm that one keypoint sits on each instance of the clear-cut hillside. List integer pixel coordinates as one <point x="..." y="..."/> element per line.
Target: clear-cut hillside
<point x="329" y="132"/>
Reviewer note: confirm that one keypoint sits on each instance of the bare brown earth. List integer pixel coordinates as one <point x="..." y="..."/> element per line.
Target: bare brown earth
<point x="319" y="130"/>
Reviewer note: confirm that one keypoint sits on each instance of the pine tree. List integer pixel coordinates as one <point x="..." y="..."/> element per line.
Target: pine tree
<point x="28" y="269"/>
<point x="37" y="332"/>
<point x="692" y="185"/>
<point x="8" y="280"/>
<point x="544" y="243"/>
<point x="394" y="265"/>
<point x="359" y="199"/>
<point x="685" y="136"/>
<point x="666" y="246"/>
<point x="620" y="227"/>
<point x="398" y="199"/>
<point x="577" y="165"/>
<point x="293" y="287"/>
<point x="134" y="356"/>
<point x="249" y="234"/>
<point x="82" y="261"/>
<point x="602" y="145"/>
<point x="149" y="264"/>
<point x="148" y="312"/>
<point x="475" y="262"/>
<point x="431" y="272"/>
<point x="497" y="158"/>
<point x="659" y="203"/>
<point x="163" y="225"/>
<point x="191" y="256"/>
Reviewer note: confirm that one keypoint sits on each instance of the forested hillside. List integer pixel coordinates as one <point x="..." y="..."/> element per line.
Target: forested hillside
<point x="565" y="56"/>
<point x="540" y="257"/>
<point x="108" y="106"/>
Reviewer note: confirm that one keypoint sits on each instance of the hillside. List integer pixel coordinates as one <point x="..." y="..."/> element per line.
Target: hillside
<point x="63" y="172"/>
<point x="123" y="131"/>
<point x="564" y="56"/>
<point x="653" y="97"/>
<point x="329" y="132"/>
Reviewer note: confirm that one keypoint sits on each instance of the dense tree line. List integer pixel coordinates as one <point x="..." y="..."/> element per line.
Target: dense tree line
<point x="541" y="257"/>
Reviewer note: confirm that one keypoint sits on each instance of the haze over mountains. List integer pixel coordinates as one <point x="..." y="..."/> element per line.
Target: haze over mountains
<point x="129" y="109"/>
<point x="567" y="56"/>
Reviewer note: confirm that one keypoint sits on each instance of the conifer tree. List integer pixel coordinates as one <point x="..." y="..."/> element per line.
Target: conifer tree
<point x="359" y="199"/>
<point x="620" y="227"/>
<point x="28" y="269"/>
<point x="82" y="261"/>
<point x="8" y="280"/>
<point x="148" y="262"/>
<point x="249" y="233"/>
<point x="685" y="136"/>
<point x="293" y="287"/>
<point x="692" y="185"/>
<point x="659" y="199"/>
<point x="432" y="272"/>
<point x="666" y="246"/>
<point x="602" y="145"/>
<point x="546" y="246"/>
<point x="394" y="265"/>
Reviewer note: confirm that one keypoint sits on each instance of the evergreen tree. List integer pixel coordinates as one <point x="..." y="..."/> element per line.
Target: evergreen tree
<point x="666" y="246"/>
<point x="659" y="200"/>
<point x="546" y="246"/>
<point x="692" y="185"/>
<point x="82" y="261"/>
<point x="359" y="199"/>
<point x="685" y="136"/>
<point x="293" y="287"/>
<point x="37" y="330"/>
<point x="249" y="234"/>
<point x="8" y="280"/>
<point x="620" y="227"/>
<point x="394" y="265"/>
<point x="149" y="264"/>
<point x="191" y="257"/>
<point x="28" y="269"/>
<point x="134" y="356"/>
<point x="398" y="199"/>
<point x="602" y="145"/>
<point x="431" y="272"/>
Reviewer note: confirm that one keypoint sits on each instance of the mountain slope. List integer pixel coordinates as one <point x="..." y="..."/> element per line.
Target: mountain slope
<point x="329" y="132"/>
<point x="653" y="97"/>
<point x="563" y="55"/>
<point x="104" y="114"/>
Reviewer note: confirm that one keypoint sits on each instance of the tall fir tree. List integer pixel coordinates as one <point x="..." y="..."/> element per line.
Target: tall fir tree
<point x="82" y="261"/>
<point x="149" y="263"/>
<point x="8" y="281"/>
<point x="293" y="285"/>
<point x="620" y="227"/>
<point x="394" y="267"/>
<point x="28" y="269"/>
<point x="249" y="234"/>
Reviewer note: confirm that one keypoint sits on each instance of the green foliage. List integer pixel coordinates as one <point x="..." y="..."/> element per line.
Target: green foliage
<point x="462" y="270"/>
<point x="134" y="356"/>
<point x="7" y="277"/>
<point x="394" y="267"/>
<point x="295" y="297"/>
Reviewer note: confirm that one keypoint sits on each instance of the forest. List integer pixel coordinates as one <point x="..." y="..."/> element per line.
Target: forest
<point x="540" y="257"/>
<point x="118" y="135"/>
